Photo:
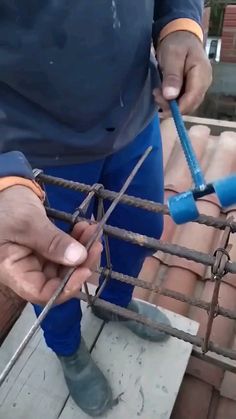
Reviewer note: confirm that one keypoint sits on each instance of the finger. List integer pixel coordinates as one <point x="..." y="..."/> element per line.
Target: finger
<point x="22" y="271"/>
<point x="94" y="256"/>
<point x="195" y="89"/>
<point x="172" y="63"/>
<point x="76" y="282"/>
<point x="42" y="235"/>
<point x="78" y="229"/>
<point x="35" y="288"/>
<point x="72" y="288"/>
<point x="85" y="232"/>
<point x="50" y="270"/>
<point x="55" y="245"/>
<point x="32" y="293"/>
<point x="160" y="100"/>
<point x="91" y="263"/>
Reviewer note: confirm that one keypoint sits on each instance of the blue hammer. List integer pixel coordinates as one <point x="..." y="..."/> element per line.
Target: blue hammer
<point x="183" y="207"/>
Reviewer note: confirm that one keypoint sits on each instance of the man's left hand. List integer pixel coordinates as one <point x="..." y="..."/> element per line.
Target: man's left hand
<point x="187" y="72"/>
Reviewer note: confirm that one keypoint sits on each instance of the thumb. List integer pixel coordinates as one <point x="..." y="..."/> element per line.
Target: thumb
<point x="55" y="245"/>
<point x="173" y="71"/>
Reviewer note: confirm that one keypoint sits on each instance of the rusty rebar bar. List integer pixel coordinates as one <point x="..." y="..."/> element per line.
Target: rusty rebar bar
<point x="195" y="302"/>
<point x="216" y="222"/>
<point x="174" y="332"/>
<point x="149" y="242"/>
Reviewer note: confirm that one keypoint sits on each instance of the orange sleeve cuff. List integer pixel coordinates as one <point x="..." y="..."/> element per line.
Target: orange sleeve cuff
<point x="9" y="181"/>
<point x="188" y="25"/>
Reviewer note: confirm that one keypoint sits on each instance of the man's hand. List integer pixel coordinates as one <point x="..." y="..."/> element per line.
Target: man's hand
<point x="187" y="72"/>
<point x="34" y="253"/>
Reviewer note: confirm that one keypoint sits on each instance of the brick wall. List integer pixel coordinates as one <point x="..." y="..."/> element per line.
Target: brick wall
<point x="228" y="49"/>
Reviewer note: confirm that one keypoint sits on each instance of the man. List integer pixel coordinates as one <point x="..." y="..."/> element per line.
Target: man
<point x="77" y="97"/>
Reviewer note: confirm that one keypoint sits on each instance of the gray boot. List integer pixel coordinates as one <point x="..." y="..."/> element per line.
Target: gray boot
<point x="87" y="385"/>
<point x="145" y="309"/>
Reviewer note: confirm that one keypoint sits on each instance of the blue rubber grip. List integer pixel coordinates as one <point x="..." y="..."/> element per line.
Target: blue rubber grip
<point x="191" y="158"/>
<point x="183" y="208"/>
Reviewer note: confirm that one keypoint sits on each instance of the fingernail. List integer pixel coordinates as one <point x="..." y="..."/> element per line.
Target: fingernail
<point x="75" y="253"/>
<point x="170" y="92"/>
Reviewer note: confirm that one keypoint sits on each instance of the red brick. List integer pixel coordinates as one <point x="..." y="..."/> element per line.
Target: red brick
<point x="230" y="9"/>
<point x="230" y="24"/>
<point x="228" y="59"/>
<point x="227" y="45"/>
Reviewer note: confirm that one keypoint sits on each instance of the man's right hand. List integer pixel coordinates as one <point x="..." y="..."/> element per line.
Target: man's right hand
<point x="34" y="253"/>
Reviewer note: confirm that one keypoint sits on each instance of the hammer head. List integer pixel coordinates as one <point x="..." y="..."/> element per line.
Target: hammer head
<point x="183" y="207"/>
<point x="225" y="190"/>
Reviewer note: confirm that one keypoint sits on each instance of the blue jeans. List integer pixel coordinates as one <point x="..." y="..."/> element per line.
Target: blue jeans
<point x="62" y="325"/>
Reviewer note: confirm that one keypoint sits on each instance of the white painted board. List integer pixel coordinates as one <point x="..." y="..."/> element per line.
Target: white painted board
<point x="146" y="375"/>
<point x="35" y="388"/>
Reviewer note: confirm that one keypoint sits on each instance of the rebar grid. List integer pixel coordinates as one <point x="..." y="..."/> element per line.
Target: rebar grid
<point x="219" y="262"/>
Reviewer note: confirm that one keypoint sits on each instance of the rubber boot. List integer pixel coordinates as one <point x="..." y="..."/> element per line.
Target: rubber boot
<point x="86" y="383"/>
<point x="139" y="329"/>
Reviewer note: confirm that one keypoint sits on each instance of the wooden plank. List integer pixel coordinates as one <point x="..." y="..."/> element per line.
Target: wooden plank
<point x="35" y="387"/>
<point x="210" y="122"/>
<point x="148" y="375"/>
<point x="195" y="120"/>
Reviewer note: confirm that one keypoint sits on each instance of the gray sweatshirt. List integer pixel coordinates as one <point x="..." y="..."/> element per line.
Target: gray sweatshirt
<point x="76" y="77"/>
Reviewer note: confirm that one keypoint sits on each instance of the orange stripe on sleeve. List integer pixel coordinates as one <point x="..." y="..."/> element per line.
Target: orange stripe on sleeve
<point x="188" y="25"/>
<point x="9" y="181"/>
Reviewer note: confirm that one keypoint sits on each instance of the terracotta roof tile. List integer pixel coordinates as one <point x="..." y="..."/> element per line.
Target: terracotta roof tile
<point x="217" y="156"/>
<point x="223" y="161"/>
<point x="222" y="332"/>
<point x="180" y="280"/>
<point x="223" y="328"/>
<point x="228" y="386"/>
<point x="168" y="126"/>
<point x="226" y="409"/>
<point x="177" y="173"/>
<point x="193" y="401"/>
